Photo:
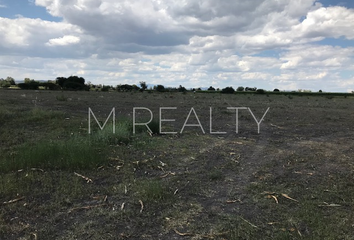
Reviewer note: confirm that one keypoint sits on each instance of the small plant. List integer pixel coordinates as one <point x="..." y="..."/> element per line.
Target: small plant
<point x="75" y="153"/>
<point x="152" y="190"/>
<point x="122" y="134"/>
<point x="62" y="98"/>
<point x="154" y="126"/>
<point x="216" y="175"/>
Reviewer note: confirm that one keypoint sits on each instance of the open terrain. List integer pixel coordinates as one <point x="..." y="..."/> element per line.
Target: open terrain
<point x="292" y="180"/>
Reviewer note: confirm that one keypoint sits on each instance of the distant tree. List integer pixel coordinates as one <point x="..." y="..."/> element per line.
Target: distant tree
<point x="10" y="80"/>
<point x="76" y="79"/>
<point x="27" y="80"/>
<point x="260" y="91"/>
<point x="105" y="88"/>
<point x="240" y="89"/>
<point x="250" y="89"/>
<point x="135" y="87"/>
<point x="320" y="91"/>
<point x="160" y="88"/>
<point x="71" y="83"/>
<point x="4" y="83"/>
<point x="211" y="88"/>
<point x="228" y="90"/>
<point x="50" y="85"/>
<point x="61" y="80"/>
<point x="143" y="86"/>
<point x="276" y="90"/>
<point x="182" y="89"/>
<point x="33" y="85"/>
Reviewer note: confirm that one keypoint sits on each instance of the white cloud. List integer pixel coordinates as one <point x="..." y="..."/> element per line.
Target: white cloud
<point x="192" y="43"/>
<point x="63" y="41"/>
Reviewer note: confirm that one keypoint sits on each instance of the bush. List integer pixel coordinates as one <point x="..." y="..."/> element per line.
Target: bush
<point x="5" y="84"/>
<point x="182" y="89"/>
<point x="160" y="88"/>
<point x="51" y="86"/>
<point x="105" y="88"/>
<point x="211" y="88"/>
<point x="260" y="91"/>
<point x="240" y="89"/>
<point x="62" y="98"/>
<point x="276" y="90"/>
<point x="31" y="85"/>
<point x="228" y="90"/>
<point x="73" y="86"/>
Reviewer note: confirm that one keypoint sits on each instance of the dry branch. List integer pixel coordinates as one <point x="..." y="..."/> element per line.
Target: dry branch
<point x="142" y="206"/>
<point x="182" y="234"/>
<point x="13" y="200"/>
<point x="287" y="196"/>
<point x="88" y="180"/>
<point x="248" y="222"/>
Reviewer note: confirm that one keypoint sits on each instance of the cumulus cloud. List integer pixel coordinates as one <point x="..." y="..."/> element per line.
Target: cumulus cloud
<point x="270" y="43"/>
<point x="63" y="41"/>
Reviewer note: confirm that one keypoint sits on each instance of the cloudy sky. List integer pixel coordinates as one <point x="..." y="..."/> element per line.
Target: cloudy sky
<point x="285" y="44"/>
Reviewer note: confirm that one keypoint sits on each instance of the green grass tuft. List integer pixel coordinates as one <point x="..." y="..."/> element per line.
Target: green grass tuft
<point x="75" y="153"/>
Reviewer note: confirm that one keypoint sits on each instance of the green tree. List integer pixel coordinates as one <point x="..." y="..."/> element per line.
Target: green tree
<point x="182" y="89"/>
<point x="228" y="90"/>
<point x="10" y="80"/>
<point x="143" y="86"/>
<point x="160" y="88"/>
<point x="240" y="89"/>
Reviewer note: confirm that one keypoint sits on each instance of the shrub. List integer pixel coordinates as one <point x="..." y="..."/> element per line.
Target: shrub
<point x="240" y="89"/>
<point x="154" y="126"/>
<point x="50" y="86"/>
<point x="153" y="190"/>
<point x="260" y="91"/>
<point x="31" y="85"/>
<point x="228" y="90"/>
<point x="276" y="90"/>
<point x="62" y="98"/>
<point x="211" y="88"/>
<point x="160" y="88"/>
<point x="105" y="88"/>
<point x="182" y="89"/>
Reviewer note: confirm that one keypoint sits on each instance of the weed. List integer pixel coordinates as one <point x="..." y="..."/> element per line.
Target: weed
<point x="216" y="175"/>
<point x="74" y="153"/>
<point x="152" y="190"/>
<point x="62" y="98"/>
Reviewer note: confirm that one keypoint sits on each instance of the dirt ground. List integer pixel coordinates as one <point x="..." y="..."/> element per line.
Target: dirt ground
<point x="292" y="180"/>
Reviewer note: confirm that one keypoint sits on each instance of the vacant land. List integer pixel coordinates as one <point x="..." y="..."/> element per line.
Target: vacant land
<point x="293" y="180"/>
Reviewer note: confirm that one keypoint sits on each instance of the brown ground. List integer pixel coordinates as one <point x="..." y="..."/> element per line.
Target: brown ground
<point x="278" y="184"/>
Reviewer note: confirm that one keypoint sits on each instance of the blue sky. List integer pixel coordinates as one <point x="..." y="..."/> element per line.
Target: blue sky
<point x="290" y="45"/>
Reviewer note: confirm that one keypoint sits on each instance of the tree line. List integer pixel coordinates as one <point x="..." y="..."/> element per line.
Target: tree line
<point x="78" y="83"/>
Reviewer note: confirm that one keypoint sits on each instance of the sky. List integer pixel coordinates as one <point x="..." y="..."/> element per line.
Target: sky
<point x="284" y="44"/>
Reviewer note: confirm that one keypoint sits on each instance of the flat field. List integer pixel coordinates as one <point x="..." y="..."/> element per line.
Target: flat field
<point x="292" y="180"/>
